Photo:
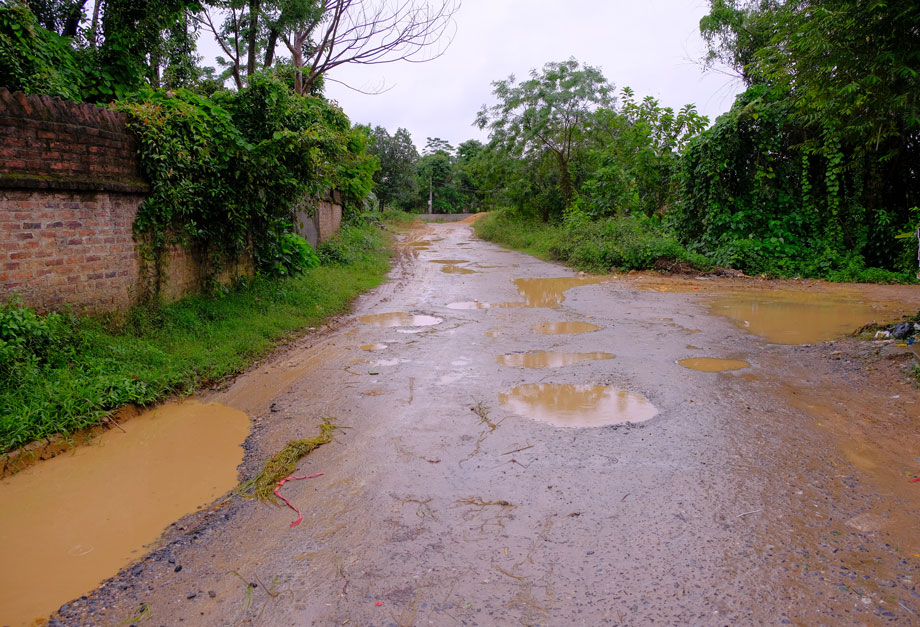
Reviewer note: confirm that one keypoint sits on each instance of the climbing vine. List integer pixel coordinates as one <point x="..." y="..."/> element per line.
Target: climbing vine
<point x="226" y="171"/>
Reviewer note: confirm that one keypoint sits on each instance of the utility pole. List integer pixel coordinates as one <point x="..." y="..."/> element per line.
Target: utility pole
<point x="430" y="196"/>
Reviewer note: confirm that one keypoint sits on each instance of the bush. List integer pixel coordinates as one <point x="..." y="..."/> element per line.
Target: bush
<point x="29" y="341"/>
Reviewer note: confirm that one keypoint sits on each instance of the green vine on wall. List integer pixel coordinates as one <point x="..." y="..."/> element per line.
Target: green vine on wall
<point x="226" y="172"/>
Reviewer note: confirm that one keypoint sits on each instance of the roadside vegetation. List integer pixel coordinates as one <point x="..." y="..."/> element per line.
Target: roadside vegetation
<point x="60" y="373"/>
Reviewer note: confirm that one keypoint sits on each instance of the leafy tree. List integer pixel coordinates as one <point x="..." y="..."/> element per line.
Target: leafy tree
<point x="396" y="183"/>
<point x="548" y="114"/>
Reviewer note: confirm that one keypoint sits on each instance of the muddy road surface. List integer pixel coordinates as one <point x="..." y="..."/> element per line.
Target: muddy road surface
<point x="522" y="445"/>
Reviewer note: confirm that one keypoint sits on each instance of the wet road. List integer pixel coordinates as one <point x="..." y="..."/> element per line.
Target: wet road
<point x="466" y="489"/>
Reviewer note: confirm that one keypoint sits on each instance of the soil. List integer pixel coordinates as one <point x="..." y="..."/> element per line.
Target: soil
<point x="780" y="492"/>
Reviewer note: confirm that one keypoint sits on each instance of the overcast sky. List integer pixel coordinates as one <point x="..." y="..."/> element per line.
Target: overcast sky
<point x="652" y="46"/>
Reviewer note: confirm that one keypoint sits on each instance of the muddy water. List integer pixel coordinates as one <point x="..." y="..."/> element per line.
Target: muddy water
<point x="568" y="405"/>
<point x="547" y="359"/>
<point x="564" y="328"/>
<point x="70" y="522"/>
<point x="400" y="319"/>
<point x="450" y="262"/>
<point x="712" y="364"/>
<point x="373" y="347"/>
<point x="549" y="292"/>
<point x="468" y="305"/>
<point x="456" y="270"/>
<point x="798" y="317"/>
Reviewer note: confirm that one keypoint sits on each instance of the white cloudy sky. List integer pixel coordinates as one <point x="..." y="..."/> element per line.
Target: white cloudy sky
<point x="650" y="45"/>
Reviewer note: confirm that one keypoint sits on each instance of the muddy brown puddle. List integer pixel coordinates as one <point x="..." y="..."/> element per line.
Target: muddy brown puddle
<point x="549" y="292"/>
<point x="548" y="359"/>
<point x="400" y="319"/>
<point x="450" y="269"/>
<point x="799" y="317"/>
<point x="713" y="364"/>
<point x="72" y="521"/>
<point x="373" y="347"/>
<point x="574" y="405"/>
<point x="564" y="328"/>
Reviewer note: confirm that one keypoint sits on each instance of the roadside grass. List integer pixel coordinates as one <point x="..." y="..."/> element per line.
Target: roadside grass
<point x="622" y="243"/>
<point x="69" y="373"/>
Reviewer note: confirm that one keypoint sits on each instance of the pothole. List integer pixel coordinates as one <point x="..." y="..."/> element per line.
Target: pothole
<point x="794" y="317"/>
<point x="400" y="319"/>
<point x="548" y="359"/>
<point x="450" y="262"/>
<point x="713" y="364"/>
<point x="468" y="305"/>
<point x="78" y="518"/>
<point x="549" y="292"/>
<point x="373" y="347"/>
<point x="457" y="270"/>
<point x="577" y="405"/>
<point x="564" y="328"/>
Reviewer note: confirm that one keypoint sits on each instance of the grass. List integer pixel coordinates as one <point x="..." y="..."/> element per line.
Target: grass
<point x="70" y="373"/>
<point x="621" y="243"/>
<point x="284" y="463"/>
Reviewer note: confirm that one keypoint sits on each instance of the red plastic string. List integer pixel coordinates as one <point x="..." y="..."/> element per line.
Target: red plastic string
<point x="287" y="502"/>
<point x="915" y="480"/>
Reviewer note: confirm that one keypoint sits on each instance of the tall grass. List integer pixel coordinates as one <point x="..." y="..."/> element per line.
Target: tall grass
<point x="91" y="366"/>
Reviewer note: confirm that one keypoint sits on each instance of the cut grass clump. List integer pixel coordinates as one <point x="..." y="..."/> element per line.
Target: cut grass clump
<point x="61" y="373"/>
<point x="284" y="463"/>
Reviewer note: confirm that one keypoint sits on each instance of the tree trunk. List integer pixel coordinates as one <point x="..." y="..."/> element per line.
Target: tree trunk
<point x="270" y="47"/>
<point x="94" y="25"/>
<point x="254" y="10"/>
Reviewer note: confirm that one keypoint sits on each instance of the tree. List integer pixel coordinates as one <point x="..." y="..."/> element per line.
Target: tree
<point x="549" y="113"/>
<point x="396" y="184"/>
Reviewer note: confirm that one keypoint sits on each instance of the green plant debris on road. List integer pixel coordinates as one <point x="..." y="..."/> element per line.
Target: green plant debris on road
<point x="61" y="373"/>
<point x="284" y="463"/>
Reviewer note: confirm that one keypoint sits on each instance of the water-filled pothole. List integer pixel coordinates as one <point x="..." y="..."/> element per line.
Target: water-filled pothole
<point x="548" y="359"/>
<point x="564" y="328"/>
<point x="400" y="319"/>
<point x="794" y="317"/>
<point x="549" y="292"/>
<point x="70" y="522"/>
<point x="449" y="262"/>
<point x="713" y="364"/>
<point x="456" y="270"/>
<point x="468" y="305"/>
<point x="373" y="347"/>
<point x="571" y="405"/>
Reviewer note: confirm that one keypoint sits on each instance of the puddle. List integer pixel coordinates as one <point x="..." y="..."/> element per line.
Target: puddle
<point x="468" y="305"/>
<point x="793" y="317"/>
<point x="544" y="359"/>
<point x="400" y="319"/>
<point x="70" y="522"/>
<point x="712" y="364"/>
<point x="374" y="392"/>
<point x="564" y="328"/>
<point x="421" y="243"/>
<point x="693" y="348"/>
<point x="549" y="292"/>
<point x="450" y="262"/>
<point x="457" y="270"/>
<point x="567" y="405"/>
<point x="373" y="347"/>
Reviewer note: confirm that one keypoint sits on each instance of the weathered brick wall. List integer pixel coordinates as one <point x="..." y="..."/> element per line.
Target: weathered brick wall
<point x="70" y="188"/>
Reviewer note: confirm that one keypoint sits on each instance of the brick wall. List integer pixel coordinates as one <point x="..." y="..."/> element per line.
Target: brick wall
<point x="70" y="188"/>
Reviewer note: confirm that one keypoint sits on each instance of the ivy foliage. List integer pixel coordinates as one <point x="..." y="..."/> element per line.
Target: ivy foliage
<point x="34" y="60"/>
<point x="226" y="171"/>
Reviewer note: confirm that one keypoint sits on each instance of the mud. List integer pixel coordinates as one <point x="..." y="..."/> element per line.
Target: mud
<point x="548" y="359"/>
<point x="457" y="270"/>
<point x="713" y="364"/>
<point x="577" y="405"/>
<point x="71" y="522"/>
<point x="778" y="494"/>
<point x="373" y="347"/>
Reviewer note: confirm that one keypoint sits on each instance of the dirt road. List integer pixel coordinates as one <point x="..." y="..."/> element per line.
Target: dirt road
<point x="462" y="494"/>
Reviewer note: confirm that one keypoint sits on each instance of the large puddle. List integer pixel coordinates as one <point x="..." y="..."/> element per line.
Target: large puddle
<point x="400" y="319"/>
<point x="549" y="292"/>
<point x="548" y="359"/>
<point x="69" y="523"/>
<point x="568" y="405"/>
<point x="457" y="270"/>
<point x="793" y="317"/>
<point x="713" y="364"/>
<point x="564" y="328"/>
